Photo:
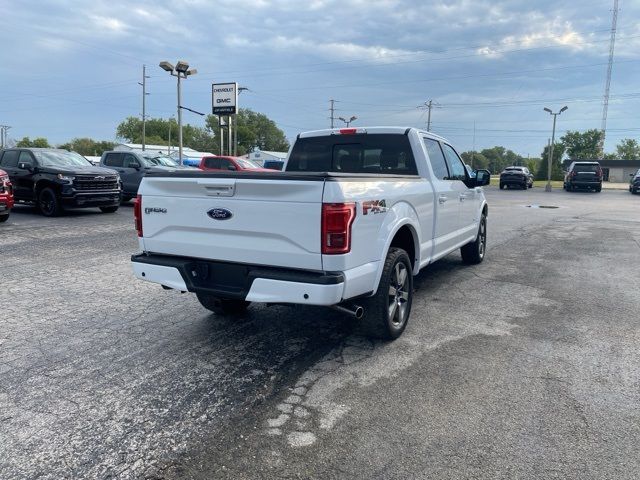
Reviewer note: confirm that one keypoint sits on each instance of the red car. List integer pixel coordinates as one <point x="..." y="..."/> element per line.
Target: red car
<point x="230" y="163"/>
<point x="6" y="196"/>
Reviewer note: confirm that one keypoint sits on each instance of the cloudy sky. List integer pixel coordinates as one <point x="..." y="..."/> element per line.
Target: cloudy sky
<point x="71" y="68"/>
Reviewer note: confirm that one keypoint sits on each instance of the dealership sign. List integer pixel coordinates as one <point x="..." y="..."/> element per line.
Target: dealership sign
<point x="225" y="98"/>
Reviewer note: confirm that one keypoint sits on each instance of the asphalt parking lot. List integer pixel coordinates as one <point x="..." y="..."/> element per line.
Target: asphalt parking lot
<point x="525" y="366"/>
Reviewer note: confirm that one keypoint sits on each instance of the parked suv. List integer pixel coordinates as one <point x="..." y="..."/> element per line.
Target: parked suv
<point x="132" y="166"/>
<point x="634" y="182"/>
<point x="516" y="176"/>
<point x="53" y="179"/>
<point x="235" y="164"/>
<point x="6" y="196"/>
<point x="583" y="175"/>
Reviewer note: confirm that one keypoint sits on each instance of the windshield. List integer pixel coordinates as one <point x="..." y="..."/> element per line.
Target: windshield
<point x="586" y="167"/>
<point x="247" y="163"/>
<point x="60" y="159"/>
<point x="161" y="160"/>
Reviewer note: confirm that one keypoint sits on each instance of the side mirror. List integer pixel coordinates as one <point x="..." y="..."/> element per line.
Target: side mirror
<point x="483" y="177"/>
<point x="25" y="166"/>
<point x="231" y="167"/>
<point x="135" y="165"/>
<point x="632" y="174"/>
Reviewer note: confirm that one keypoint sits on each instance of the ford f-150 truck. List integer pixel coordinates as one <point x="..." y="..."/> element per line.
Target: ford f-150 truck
<point x="355" y="215"/>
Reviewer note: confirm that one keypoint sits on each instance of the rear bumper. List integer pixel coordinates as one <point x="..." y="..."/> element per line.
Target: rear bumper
<point x="255" y="283"/>
<point x="584" y="184"/>
<point x="513" y="181"/>
<point x="6" y="204"/>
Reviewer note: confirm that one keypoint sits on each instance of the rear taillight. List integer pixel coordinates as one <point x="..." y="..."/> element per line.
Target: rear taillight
<point x="337" y="219"/>
<point x="599" y="172"/>
<point x="573" y="174"/>
<point x="137" y="214"/>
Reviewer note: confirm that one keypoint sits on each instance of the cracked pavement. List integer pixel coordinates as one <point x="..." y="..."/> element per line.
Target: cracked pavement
<point x="524" y="366"/>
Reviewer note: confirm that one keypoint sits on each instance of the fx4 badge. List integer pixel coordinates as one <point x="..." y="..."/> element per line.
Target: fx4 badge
<point x="374" y="206"/>
<point x="155" y="210"/>
<point x="220" y="214"/>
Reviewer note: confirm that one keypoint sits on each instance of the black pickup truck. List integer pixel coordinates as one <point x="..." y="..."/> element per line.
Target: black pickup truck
<point x="55" y="179"/>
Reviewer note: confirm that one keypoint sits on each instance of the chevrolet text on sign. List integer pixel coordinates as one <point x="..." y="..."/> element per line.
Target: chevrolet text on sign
<point x="225" y="98"/>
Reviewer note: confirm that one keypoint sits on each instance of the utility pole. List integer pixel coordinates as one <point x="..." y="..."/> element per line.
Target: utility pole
<point x="332" y="110"/>
<point x="474" y="136"/>
<point x="3" y="135"/>
<point x="429" y="107"/>
<point x="230" y="134"/>
<point x="547" y="188"/>
<point x="144" y="104"/>
<point x="605" y="105"/>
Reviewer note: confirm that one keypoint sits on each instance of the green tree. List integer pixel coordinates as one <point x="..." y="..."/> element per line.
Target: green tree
<point x="39" y="142"/>
<point x="254" y="130"/>
<point x="532" y="164"/>
<point x="582" y="145"/>
<point x="475" y="159"/>
<point x="628" y="149"/>
<point x="158" y="131"/>
<point x="556" y="166"/>
<point x="499" y="158"/>
<point x="88" y="146"/>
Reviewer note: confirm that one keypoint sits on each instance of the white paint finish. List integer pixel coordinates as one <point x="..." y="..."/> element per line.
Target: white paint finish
<point x="278" y="291"/>
<point x="274" y="222"/>
<point x="277" y="222"/>
<point x="168" y="276"/>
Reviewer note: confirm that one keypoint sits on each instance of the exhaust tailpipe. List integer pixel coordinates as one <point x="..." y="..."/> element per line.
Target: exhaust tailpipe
<point x="355" y="311"/>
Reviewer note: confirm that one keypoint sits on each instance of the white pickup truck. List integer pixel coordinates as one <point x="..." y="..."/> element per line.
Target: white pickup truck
<point x="355" y="214"/>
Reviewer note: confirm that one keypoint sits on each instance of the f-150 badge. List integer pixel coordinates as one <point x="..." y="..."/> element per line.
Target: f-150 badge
<point x="374" y="206"/>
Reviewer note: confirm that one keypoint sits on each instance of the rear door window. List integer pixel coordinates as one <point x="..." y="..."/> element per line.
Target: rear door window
<point x="113" y="160"/>
<point x="212" y="163"/>
<point x="10" y="159"/>
<point x="359" y="153"/>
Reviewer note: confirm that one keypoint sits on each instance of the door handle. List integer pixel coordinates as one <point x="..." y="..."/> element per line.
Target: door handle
<point x="442" y="199"/>
<point x="463" y="197"/>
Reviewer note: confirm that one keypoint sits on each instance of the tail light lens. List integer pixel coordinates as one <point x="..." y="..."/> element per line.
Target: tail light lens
<point x="574" y="173"/>
<point x="137" y="214"/>
<point x="337" y="219"/>
<point x="599" y="172"/>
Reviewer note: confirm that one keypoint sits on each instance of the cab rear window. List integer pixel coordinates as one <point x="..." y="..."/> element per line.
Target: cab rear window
<point x="359" y="153"/>
<point x="586" y="167"/>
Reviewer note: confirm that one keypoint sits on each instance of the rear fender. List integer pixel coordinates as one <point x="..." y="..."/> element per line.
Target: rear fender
<point x="398" y="216"/>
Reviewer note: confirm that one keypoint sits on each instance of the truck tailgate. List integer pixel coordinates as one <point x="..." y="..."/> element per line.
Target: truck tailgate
<point x="270" y="221"/>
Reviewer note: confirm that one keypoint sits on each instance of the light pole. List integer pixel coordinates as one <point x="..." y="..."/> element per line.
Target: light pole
<point x="181" y="70"/>
<point x="553" y="138"/>
<point x="348" y="122"/>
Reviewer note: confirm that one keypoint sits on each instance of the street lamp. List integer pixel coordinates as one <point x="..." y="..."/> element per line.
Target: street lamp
<point x="348" y="122"/>
<point x="553" y="138"/>
<point x="181" y="70"/>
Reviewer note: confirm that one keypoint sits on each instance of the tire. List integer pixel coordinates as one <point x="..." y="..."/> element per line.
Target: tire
<point x="386" y="314"/>
<point x="49" y="203"/>
<point x="524" y="186"/>
<point x="4" y="218"/>
<point x="598" y="189"/>
<point x="473" y="252"/>
<point x="531" y="185"/>
<point x="222" y="306"/>
<point x="112" y="209"/>
<point x="502" y="186"/>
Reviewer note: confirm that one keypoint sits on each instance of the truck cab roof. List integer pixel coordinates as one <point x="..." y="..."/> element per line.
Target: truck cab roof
<point x="373" y="130"/>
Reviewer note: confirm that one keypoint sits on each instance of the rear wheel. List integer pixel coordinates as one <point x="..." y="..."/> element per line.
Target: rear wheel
<point x="502" y="186"/>
<point x="473" y="252"/>
<point x="386" y="313"/>
<point x="4" y="218"/>
<point x="598" y="189"/>
<point x="49" y="203"/>
<point x="222" y="306"/>
<point x="109" y="209"/>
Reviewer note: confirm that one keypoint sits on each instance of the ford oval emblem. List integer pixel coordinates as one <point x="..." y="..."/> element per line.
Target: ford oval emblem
<point x="220" y="214"/>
